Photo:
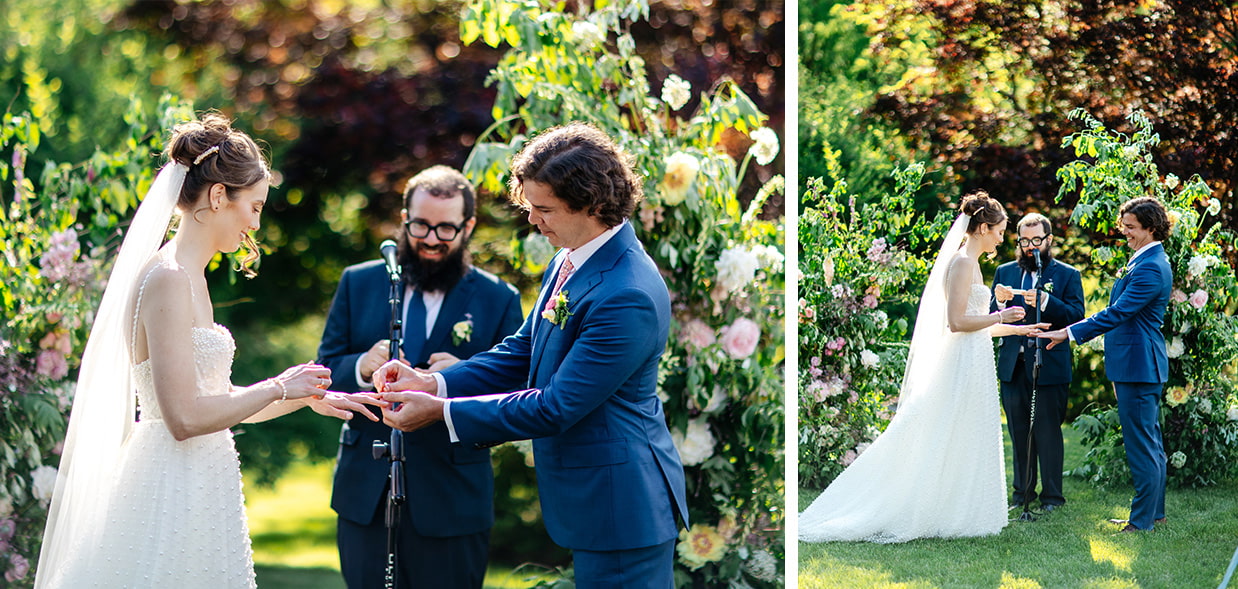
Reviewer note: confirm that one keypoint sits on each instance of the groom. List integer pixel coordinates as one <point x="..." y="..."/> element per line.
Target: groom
<point x="1135" y="358"/>
<point x="1060" y="299"/>
<point x="610" y="481"/>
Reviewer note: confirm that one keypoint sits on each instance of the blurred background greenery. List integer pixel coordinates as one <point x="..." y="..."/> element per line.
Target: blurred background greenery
<point x="350" y="98"/>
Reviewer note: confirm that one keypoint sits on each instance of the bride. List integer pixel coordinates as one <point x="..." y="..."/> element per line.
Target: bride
<point x="937" y="470"/>
<point x="157" y="502"/>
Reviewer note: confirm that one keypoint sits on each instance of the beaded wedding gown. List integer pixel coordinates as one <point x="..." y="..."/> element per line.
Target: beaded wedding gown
<point x="176" y="515"/>
<point x="937" y="470"/>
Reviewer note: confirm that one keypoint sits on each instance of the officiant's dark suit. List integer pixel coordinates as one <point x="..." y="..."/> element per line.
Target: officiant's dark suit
<point x="446" y="520"/>
<point x="1063" y="289"/>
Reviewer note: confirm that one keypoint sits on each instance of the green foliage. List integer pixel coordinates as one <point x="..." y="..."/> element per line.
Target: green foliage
<point x="58" y="236"/>
<point x="720" y="378"/>
<point x="1199" y="419"/>
<point x="858" y="276"/>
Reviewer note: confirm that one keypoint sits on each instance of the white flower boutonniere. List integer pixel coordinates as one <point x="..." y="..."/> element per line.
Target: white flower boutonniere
<point x="1048" y="287"/>
<point x="558" y="313"/>
<point x="462" y="331"/>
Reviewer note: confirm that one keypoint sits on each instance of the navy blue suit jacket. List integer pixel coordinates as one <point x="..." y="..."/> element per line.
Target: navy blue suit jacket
<point x="1065" y="307"/>
<point x="608" y="475"/>
<point x="1134" y="344"/>
<point x="450" y="488"/>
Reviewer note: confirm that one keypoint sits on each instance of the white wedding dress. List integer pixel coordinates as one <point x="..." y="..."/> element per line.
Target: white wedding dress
<point x="937" y="470"/>
<point x="175" y="516"/>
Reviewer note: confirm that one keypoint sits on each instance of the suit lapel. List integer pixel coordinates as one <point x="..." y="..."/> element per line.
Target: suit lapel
<point x="579" y="285"/>
<point x="454" y="304"/>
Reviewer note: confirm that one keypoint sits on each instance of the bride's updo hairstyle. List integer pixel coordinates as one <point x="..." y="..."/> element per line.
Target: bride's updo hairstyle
<point x="215" y="153"/>
<point x="982" y="209"/>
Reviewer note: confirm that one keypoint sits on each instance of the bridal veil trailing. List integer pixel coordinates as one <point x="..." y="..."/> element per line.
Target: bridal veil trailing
<point x="103" y="404"/>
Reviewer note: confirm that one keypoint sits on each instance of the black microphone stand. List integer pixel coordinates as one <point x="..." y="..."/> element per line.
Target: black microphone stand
<point x="1028" y="485"/>
<point x="393" y="450"/>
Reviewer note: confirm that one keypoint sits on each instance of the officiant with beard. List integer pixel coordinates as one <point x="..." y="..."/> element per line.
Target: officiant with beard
<point x="452" y="310"/>
<point x="1060" y="298"/>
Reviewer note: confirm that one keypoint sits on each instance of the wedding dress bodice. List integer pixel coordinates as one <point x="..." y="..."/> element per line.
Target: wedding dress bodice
<point x="213" y="349"/>
<point x="978" y="300"/>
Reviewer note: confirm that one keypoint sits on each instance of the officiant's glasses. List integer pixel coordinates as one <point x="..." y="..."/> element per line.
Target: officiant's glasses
<point x="1023" y="241"/>
<point x="444" y="231"/>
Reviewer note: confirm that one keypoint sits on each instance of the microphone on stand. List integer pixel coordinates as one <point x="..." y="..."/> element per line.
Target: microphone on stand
<point x="388" y="249"/>
<point x="1035" y="254"/>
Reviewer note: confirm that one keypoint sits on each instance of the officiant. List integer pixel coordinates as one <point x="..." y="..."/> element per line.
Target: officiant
<point x="1034" y="279"/>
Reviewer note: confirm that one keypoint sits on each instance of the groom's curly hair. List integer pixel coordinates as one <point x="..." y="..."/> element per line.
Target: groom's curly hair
<point x="1151" y="214"/>
<point x="585" y="169"/>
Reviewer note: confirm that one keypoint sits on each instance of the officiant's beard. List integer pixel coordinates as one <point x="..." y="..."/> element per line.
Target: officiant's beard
<point x="434" y="275"/>
<point x="1028" y="261"/>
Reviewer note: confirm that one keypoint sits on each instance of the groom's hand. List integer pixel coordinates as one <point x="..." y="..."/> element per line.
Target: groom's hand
<point x="1056" y="337"/>
<point x="415" y="410"/>
<point x="398" y="376"/>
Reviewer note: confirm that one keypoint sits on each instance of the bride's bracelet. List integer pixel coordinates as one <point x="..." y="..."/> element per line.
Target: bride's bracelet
<point x="282" y="388"/>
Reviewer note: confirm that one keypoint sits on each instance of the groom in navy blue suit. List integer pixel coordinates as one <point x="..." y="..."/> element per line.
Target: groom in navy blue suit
<point x="1060" y="299"/>
<point x="452" y="310"/>
<point x="1135" y="358"/>
<point x="610" y="481"/>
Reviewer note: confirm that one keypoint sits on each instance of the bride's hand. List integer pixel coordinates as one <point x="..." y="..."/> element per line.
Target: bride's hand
<point x="303" y="380"/>
<point x="1032" y="329"/>
<point x="344" y="405"/>
<point x="1011" y="314"/>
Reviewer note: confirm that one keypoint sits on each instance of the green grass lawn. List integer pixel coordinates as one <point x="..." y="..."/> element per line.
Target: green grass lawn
<point x="1072" y="548"/>
<point x="293" y="530"/>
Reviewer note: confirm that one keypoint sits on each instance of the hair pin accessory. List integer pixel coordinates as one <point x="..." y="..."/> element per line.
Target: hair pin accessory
<point x="206" y="154"/>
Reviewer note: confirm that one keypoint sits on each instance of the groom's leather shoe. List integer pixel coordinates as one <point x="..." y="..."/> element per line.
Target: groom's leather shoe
<point x="1131" y="528"/>
<point x="1049" y="508"/>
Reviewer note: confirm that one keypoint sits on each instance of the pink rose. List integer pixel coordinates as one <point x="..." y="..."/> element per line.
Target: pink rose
<point x="698" y="334"/>
<point x="51" y="363"/>
<point x="1177" y="296"/>
<point x="1199" y="298"/>
<point x="870" y="301"/>
<point x="740" y="338"/>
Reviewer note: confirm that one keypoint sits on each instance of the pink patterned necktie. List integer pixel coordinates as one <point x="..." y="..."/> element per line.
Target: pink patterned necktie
<point x="564" y="272"/>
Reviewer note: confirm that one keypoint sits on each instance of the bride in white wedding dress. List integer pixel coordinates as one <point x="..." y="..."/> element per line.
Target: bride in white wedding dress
<point x="937" y="470"/>
<point x="157" y="502"/>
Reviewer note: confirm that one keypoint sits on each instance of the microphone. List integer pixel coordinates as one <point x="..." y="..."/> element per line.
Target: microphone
<point x="388" y="249"/>
<point x="1036" y="255"/>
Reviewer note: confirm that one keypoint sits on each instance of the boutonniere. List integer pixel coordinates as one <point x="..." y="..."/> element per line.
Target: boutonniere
<point x="462" y="331"/>
<point x="1122" y="272"/>
<point x="558" y="313"/>
<point x="1048" y="287"/>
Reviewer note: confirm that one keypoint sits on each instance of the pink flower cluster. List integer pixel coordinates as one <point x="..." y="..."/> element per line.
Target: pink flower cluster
<point x="19" y="566"/>
<point x="697" y="334"/>
<point x="834" y="345"/>
<point x="879" y="252"/>
<point x="807" y="313"/>
<point x="51" y="361"/>
<point x="59" y="262"/>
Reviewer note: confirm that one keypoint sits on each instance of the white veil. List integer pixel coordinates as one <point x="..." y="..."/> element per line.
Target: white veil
<point x="931" y="322"/>
<point x="103" y="405"/>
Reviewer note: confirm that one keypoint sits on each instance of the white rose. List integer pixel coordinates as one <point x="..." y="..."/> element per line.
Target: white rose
<point x="883" y="320"/>
<point x="43" y="483"/>
<point x="869" y="359"/>
<point x="1205" y="406"/>
<point x="588" y="34"/>
<point x="1171" y="181"/>
<point x="765" y="146"/>
<point x="1232" y="414"/>
<point x="1175" y="348"/>
<point x="736" y="267"/>
<point x="697" y="445"/>
<point x="676" y="92"/>
<point x="1197" y="265"/>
